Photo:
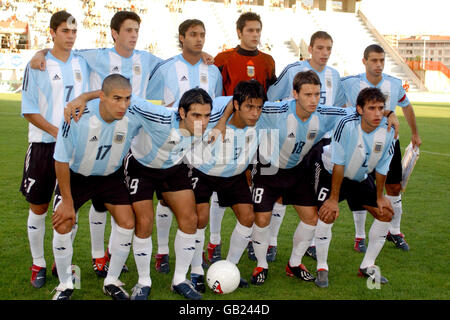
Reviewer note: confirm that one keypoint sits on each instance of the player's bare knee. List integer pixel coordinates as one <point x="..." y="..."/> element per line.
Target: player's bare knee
<point x="393" y="189"/>
<point x="39" y="209"/>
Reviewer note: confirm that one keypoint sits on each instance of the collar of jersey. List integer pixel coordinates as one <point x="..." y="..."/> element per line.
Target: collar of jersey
<point x="51" y="56"/>
<point x="249" y="53"/>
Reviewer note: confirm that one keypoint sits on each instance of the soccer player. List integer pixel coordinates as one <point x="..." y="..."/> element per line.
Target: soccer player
<point x="331" y="94"/>
<point x="373" y="60"/>
<point x="156" y="164"/>
<point x="242" y="63"/>
<point x="44" y="95"/>
<point x="354" y="168"/>
<point x="168" y="82"/>
<point x="301" y="124"/>
<point x="221" y="167"/>
<point x="88" y="161"/>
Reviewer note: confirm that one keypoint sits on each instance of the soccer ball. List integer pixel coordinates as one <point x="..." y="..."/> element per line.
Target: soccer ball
<point x="223" y="277"/>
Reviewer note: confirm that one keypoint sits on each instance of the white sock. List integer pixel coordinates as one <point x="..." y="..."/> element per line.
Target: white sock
<point x="377" y="237"/>
<point x="359" y="217"/>
<point x="142" y="250"/>
<point x="120" y="248"/>
<point x="300" y="242"/>
<point x="36" y="233"/>
<point x="63" y="252"/>
<point x="396" y="203"/>
<point x="323" y="239"/>
<point x="75" y="228"/>
<point x="164" y="218"/>
<point x="260" y="240"/>
<point x="184" y="246"/>
<point x="196" y="265"/>
<point x="238" y="242"/>
<point x="97" y="223"/>
<point x="216" y="213"/>
<point x="278" y="212"/>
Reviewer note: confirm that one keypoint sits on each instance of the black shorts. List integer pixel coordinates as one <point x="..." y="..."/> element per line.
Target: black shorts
<point x="143" y="181"/>
<point x="100" y="189"/>
<point x="230" y="190"/>
<point x="39" y="178"/>
<point x="394" y="175"/>
<point x="293" y="185"/>
<point x="356" y="193"/>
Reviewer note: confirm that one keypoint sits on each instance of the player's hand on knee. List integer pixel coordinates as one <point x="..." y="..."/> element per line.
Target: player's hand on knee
<point x="385" y="210"/>
<point x="64" y="216"/>
<point x="329" y="211"/>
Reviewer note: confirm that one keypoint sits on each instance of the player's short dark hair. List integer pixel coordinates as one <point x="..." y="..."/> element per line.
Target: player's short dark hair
<point x="247" y="16"/>
<point x="114" y="81"/>
<point x="370" y="94"/>
<point x="60" y="17"/>
<point x="120" y="16"/>
<point x="251" y="89"/>
<point x="185" y="25"/>
<point x="305" y="77"/>
<point x="319" y="35"/>
<point x="195" y="95"/>
<point x="372" y="48"/>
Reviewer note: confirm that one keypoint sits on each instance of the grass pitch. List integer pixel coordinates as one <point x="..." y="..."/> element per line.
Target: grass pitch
<point x="420" y="274"/>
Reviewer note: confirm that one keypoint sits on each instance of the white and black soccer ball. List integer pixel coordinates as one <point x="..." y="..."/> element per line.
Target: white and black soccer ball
<point x="223" y="277"/>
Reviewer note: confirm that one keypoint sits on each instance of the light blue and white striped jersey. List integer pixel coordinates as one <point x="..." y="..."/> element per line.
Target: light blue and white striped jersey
<point x="106" y="61"/>
<point x="360" y="152"/>
<point x="175" y="76"/>
<point x="93" y="147"/>
<point x="288" y="139"/>
<point x="47" y="92"/>
<point x="160" y="144"/>
<point x="390" y="86"/>
<point x="331" y="91"/>
<point x="225" y="157"/>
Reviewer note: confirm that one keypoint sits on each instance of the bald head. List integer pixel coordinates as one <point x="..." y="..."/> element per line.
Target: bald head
<point x="115" y="81"/>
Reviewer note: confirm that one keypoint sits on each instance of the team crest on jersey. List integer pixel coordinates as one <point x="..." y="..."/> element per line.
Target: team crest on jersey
<point x="329" y="83"/>
<point x="250" y="71"/>
<point x="137" y="69"/>
<point x="78" y="76"/>
<point x="312" y="135"/>
<point x="119" y="137"/>
<point x="203" y="78"/>
<point x="378" y="147"/>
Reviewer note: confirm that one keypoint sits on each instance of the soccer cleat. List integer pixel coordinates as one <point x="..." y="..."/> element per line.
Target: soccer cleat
<point x="322" y="278"/>
<point x="62" y="293"/>
<point x="140" y="292"/>
<point x="251" y="251"/>
<point x="360" y="245"/>
<point x="162" y="263"/>
<point x="116" y="291"/>
<point x="38" y="276"/>
<point x="300" y="272"/>
<point x="198" y="281"/>
<point x="101" y="266"/>
<point x="243" y="283"/>
<point x="271" y="253"/>
<point x="214" y="252"/>
<point x="259" y="276"/>
<point x="371" y="273"/>
<point x="311" y="252"/>
<point x="398" y="240"/>
<point x="187" y="290"/>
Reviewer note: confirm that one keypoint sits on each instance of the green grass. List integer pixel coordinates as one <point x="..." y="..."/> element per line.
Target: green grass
<point x="420" y="274"/>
